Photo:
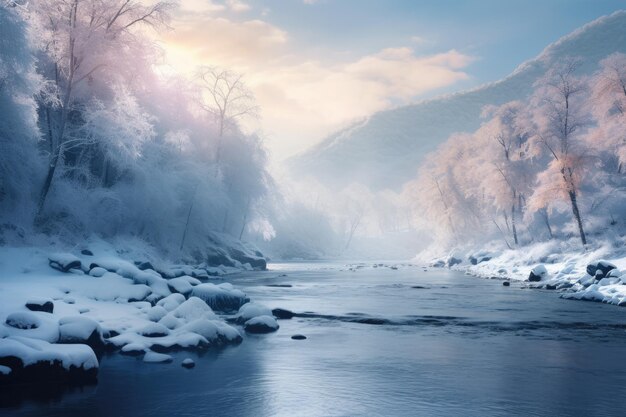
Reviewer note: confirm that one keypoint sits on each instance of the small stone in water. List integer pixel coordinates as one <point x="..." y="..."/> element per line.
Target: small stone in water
<point x="506" y="283"/>
<point x="298" y="337"/>
<point x="188" y="363"/>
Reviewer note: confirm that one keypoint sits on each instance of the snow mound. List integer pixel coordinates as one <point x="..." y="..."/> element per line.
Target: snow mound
<point x="154" y="330"/>
<point x="179" y="285"/>
<point x="171" y="301"/>
<point x="35" y="325"/>
<point x="156" y="313"/>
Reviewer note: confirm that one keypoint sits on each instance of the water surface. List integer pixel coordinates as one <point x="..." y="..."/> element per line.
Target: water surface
<point x="382" y="342"/>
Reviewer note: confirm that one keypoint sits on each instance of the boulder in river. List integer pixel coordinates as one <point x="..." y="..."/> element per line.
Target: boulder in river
<point x="281" y="313"/>
<point x="261" y="324"/>
<point x="188" y="363"/>
<point x="538" y="273"/>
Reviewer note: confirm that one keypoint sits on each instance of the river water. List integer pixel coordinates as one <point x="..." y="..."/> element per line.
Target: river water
<point x="380" y="341"/>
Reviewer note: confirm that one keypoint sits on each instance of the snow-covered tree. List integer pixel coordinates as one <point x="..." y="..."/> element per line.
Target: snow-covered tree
<point x="559" y="116"/>
<point x="86" y="41"/>
<point x="19" y="84"/>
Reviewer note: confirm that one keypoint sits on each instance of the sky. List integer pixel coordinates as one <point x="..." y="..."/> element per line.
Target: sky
<point x="316" y="66"/>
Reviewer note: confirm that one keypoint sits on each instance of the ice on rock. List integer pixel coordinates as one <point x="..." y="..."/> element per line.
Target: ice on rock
<point x="64" y="261"/>
<point x="154" y="357"/>
<point x="222" y="297"/>
<point x="251" y="310"/>
<point x="5" y="370"/>
<point x="261" y="324"/>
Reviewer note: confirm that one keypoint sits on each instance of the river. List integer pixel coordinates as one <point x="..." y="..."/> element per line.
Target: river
<point x="380" y="341"/>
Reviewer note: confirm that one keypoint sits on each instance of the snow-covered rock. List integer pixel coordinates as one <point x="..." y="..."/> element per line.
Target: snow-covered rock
<point x="222" y="297"/>
<point x="36" y="325"/>
<point x="600" y="269"/>
<point x="40" y="304"/>
<point x="188" y="363"/>
<point x="37" y="360"/>
<point x="97" y="272"/>
<point x="179" y="285"/>
<point x="281" y="313"/>
<point x="64" y="261"/>
<point x="154" y="357"/>
<point x="251" y="310"/>
<point x="156" y="313"/>
<point x="261" y="324"/>
<point x="171" y="301"/>
<point x="538" y="273"/>
<point x="154" y="330"/>
<point x="81" y="329"/>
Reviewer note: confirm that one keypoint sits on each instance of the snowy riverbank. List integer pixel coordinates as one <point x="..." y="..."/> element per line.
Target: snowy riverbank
<point x="556" y="265"/>
<point x="61" y="310"/>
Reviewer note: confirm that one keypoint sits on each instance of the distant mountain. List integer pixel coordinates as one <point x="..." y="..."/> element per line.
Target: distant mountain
<point x="386" y="149"/>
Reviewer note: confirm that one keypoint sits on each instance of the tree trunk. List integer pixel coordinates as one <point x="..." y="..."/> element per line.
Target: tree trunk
<point x="182" y="241"/>
<point x="546" y="220"/>
<point x="576" y="212"/>
<point x="513" y="225"/>
<point x="47" y="183"/>
<point x="245" y="219"/>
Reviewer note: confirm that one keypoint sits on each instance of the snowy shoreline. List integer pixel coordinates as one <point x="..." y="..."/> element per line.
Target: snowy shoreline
<point x="560" y="266"/>
<point x="61" y="311"/>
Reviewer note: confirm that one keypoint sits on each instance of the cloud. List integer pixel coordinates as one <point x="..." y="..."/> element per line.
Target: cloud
<point x="220" y="41"/>
<point x="303" y="102"/>
<point x="238" y="6"/>
<point x="304" y="98"/>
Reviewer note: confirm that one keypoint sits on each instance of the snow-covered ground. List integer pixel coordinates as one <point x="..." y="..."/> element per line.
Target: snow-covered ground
<point x="60" y="310"/>
<point x="597" y="273"/>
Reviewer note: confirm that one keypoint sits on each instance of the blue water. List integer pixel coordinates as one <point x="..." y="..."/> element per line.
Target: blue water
<point x="459" y="346"/>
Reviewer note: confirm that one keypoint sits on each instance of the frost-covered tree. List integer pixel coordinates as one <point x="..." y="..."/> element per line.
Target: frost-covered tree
<point x="86" y="41"/>
<point x="559" y="115"/>
<point x="608" y="87"/>
<point x="19" y="84"/>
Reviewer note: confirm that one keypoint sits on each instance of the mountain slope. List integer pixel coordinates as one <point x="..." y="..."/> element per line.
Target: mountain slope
<point x="385" y="150"/>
